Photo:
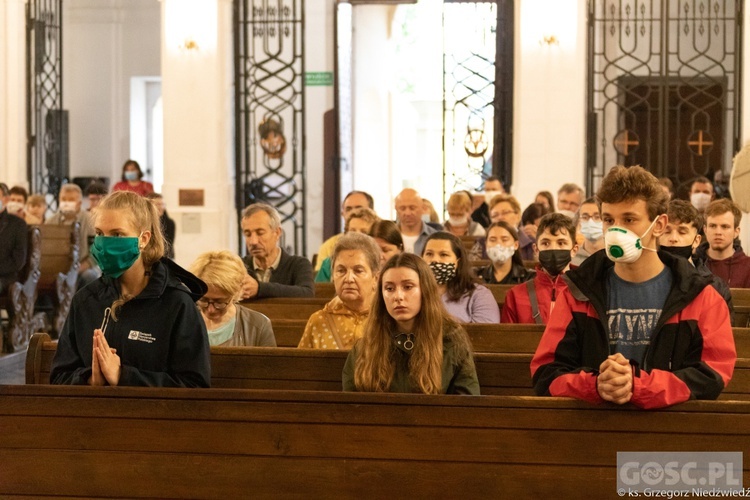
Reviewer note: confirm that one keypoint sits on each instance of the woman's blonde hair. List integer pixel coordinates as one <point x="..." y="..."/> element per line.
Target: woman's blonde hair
<point x="222" y="269"/>
<point x="375" y="365"/>
<point x="143" y="216"/>
<point x="366" y="214"/>
<point x="506" y="198"/>
<point x="459" y="201"/>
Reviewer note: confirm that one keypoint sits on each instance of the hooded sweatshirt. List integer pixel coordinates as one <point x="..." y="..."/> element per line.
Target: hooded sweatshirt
<point x="735" y="270"/>
<point x="159" y="335"/>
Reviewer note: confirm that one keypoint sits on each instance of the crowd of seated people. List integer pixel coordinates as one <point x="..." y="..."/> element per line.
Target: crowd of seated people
<point x="403" y="288"/>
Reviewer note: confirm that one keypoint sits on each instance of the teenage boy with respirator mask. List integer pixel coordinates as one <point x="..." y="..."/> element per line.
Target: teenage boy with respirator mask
<point x="635" y="325"/>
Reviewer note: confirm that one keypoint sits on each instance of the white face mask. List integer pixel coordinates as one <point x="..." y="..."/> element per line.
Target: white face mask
<point x="488" y="195"/>
<point x="700" y="200"/>
<point x="68" y="207"/>
<point x="499" y="254"/>
<point x="623" y="245"/>
<point x="458" y="221"/>
<point x="591" y="229"/>
<point x="567" y="213"/>
<point x="14" y="207"/>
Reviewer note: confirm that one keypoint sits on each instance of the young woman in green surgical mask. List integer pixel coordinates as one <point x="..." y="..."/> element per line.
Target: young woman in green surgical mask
<point x="138" y="323"/>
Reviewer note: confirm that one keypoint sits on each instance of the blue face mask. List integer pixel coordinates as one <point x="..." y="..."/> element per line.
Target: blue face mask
<point x="131" y="175"/>
<point x="115" y="255"/>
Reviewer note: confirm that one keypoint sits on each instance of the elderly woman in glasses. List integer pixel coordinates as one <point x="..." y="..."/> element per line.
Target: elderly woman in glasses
<point x="228" y="324"/>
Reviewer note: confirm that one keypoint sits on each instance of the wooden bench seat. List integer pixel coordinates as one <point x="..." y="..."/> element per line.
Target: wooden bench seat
<point x="485" y="337"/>
<point x="281" y="308"/>
<point x="510" y="338"/>
<point x="59" y="270"/>
<point x="220" y="443"/>
<point x="287" y="308"/>
<point x="320" y="370"/>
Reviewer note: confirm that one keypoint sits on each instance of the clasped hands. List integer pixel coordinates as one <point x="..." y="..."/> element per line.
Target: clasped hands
<point x="105" y="363"/>
<point x="615" y="380"/>
<point x="249" y="287"/>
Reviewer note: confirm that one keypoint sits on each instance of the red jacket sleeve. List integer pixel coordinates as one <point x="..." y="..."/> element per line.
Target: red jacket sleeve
<point x="509" y="313"/>
<point x="711" y="367"/>
<point x="556" y="367"/>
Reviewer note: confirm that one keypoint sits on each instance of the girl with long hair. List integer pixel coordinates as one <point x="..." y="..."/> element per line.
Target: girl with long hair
<point x="137" y="324"/>
<point x="410" y="343"/>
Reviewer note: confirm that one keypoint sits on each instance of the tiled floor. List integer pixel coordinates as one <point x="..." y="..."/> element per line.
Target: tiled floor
<point x="12" y="368"/>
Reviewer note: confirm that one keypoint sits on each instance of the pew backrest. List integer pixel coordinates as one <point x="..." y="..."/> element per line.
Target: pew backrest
<point x="503" y="374"/>
<point x="125" y="442"/>
<point x="485" y="337"/>
<point x="60" y="251"/>
<point x="741" y="303"/>
<point x="287" y="308"/>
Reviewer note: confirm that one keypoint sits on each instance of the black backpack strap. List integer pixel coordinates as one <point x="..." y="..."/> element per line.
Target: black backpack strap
<point x="534" y="302"/>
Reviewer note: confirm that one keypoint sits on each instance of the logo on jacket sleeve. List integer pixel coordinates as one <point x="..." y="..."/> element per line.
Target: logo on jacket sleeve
<point x="141" y="336"/>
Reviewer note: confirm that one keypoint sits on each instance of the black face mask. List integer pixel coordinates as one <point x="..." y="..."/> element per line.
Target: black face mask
<point x="554" y="261"/>
<point x="685" y="252"/>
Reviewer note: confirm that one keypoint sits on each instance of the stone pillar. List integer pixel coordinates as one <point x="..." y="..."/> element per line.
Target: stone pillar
<point x="197" y="80"/>
<point x="13" y="92"/>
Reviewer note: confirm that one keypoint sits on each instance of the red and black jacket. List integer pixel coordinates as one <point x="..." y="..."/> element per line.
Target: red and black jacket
<point x="691" y="354"/>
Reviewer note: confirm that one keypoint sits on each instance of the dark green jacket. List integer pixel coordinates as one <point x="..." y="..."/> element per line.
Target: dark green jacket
<point x="459" y="376"/>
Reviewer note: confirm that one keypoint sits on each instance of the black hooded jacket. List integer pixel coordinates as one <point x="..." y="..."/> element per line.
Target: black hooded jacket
<point x="159" y="335"/>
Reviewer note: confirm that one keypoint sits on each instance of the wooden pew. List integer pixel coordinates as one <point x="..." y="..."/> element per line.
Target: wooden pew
<point x="287" y="308"/>
<point x="302" y="308"/>
<point x="741" y="302"/>
<point x="21" y="296"/>
<point x="510" y="338"/>
<point x="325" y="291"/>
<point x="59" y="270"/>
<point x="213" y="443"/>
<point x="500" y="374"/>
<point x="298" y="307"/>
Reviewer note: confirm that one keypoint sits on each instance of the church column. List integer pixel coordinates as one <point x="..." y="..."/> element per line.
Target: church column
<point x="13" y="92"/>
<point x="197" y="79"/>
<point x="549" y="129"/>
<point x="745" y="117"/>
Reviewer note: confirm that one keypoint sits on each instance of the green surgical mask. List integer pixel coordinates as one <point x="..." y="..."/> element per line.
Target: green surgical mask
<point x="115" y="255"/>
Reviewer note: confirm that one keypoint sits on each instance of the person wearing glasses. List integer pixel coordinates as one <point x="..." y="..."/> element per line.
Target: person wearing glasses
<point x="506" y="208"/>
<point x="228" y="324"/>
<point x="589" y="223"/>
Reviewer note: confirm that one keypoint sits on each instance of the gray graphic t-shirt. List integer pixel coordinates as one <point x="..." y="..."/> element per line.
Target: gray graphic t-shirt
<point x="634" y="309"/>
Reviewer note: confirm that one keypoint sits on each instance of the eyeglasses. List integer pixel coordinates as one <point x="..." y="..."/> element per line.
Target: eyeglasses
<point x="218" y="305"/>
<point x="504" y="213"/>
<point x="587" y="217"/>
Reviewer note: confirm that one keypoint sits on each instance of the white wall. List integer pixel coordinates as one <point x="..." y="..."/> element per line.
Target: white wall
<point x="105" y="43"/>
<point x="745" y="122"/>
<point x="319" y="56"/>
<point x="12" y="92"/>
<point x="373" y="170"/>
<point x="198" y="115"/>
<point x="549" y="127"/>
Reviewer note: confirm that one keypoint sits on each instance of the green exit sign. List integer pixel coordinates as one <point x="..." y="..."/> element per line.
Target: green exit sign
<point x="319" y="79"/>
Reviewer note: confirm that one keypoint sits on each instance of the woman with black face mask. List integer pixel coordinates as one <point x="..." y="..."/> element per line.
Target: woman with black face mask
<point x="463" y="298"/>
<point x="533" y="301"/>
